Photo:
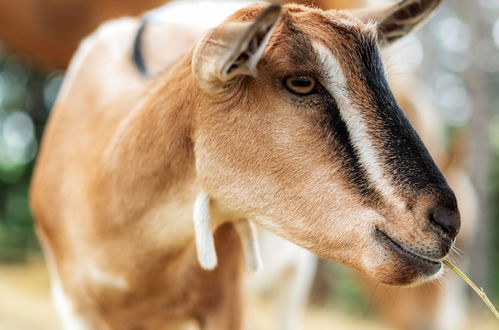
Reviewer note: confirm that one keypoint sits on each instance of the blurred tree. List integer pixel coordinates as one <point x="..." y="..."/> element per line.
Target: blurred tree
<point x="25" y="99"/>
<point x="463" y="66"/>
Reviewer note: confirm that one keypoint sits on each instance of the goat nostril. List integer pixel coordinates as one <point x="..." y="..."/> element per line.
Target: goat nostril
<point x="446" y="219"/>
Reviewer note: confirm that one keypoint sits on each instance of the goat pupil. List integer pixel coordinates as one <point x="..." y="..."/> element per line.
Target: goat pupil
<point x="301" y="83"/>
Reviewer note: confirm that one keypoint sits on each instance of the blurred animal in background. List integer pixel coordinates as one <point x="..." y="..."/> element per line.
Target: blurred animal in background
<point x="114" y="188"/>
<point x="286" y="276"/>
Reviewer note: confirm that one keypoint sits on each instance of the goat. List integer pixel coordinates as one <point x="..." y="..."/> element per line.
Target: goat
<point x="414" y="307"/>
<point x="280" y="115"/>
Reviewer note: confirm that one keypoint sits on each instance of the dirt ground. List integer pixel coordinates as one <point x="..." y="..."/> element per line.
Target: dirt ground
<point x="25" y="305"/>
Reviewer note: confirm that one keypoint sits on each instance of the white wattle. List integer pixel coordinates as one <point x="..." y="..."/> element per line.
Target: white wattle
<point x="205" y="244"/>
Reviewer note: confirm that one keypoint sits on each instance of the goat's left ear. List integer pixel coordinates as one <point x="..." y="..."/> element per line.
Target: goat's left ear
<point x="396" y="20"/>
<point x="234" y="48"/>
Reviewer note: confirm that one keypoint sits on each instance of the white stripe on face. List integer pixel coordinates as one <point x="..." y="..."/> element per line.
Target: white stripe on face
<point x="335" y="82"/>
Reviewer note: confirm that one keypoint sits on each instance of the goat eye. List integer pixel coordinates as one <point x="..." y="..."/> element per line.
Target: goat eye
<point x="300" y="85"/>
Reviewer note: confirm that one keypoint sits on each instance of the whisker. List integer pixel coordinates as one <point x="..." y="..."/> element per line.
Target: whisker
<point x="456" y="253"/>
<point x="440" y="281"/>
<point x="453" y="257"/>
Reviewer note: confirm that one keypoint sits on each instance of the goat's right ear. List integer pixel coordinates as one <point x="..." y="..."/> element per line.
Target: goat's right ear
<point x="396" y="20"/>
<point x="234" y="48"/>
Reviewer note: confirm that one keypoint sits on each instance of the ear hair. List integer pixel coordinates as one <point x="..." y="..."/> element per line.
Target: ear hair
<point x="397" y="20"/>
<point x="233" y="48"/>
<point x="251" y="46"/>
<point x="205" y="245"/>
<point x="249" y="241"/>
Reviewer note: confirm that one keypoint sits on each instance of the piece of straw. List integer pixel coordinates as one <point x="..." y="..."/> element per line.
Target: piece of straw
<point x="478" y="290"/>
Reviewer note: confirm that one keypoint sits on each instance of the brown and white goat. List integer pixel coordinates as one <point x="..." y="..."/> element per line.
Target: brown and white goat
<point x="280" y="115"/>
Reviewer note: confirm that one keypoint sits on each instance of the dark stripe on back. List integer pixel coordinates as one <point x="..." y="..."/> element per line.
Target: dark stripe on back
<point x="138" y="58"/>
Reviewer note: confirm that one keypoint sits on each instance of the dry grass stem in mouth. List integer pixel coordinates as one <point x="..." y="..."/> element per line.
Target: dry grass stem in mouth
<point x="478" y="290"/>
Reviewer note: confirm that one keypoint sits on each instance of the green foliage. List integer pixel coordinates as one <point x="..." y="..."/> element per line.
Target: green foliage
<point x="23" y="114"/>
<point x="347" y="295"/>
<point x="494" y="231"/>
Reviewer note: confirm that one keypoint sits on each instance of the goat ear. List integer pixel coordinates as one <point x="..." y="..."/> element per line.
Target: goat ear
<point x="394" y="21"/>
<point x="234" y="48"/>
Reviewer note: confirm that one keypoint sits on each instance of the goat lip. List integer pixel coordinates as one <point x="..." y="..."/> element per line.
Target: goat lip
<point x="402" y="250"/>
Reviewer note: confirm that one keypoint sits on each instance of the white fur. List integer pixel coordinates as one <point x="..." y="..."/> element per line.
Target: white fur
<point x="202" y="14"/>
<point x="105" y="279"/>
<point x="249" y="241"/>
<point x="108" y="36"/>
<point x="205" y="245"/>
<point x="69" y="318"/>
<point x="357" y="128"/>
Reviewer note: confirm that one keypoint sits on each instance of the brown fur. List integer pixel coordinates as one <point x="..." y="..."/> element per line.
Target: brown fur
<point x="121" y="164"/>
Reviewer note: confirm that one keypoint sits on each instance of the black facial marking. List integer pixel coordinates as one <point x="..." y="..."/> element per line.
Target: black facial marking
<point x="406" y="160"/>
<point x="409" y="164"/>
<point x="336" y="132"/>
<point x="332" y="126"/>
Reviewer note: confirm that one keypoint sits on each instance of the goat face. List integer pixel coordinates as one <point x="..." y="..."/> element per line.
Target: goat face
<point x="301" y="133"/>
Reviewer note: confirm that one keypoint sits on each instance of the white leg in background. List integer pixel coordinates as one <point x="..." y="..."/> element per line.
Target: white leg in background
<point x="296" y="298"/>
<point x="452" y="313"/>
<point x="249" y="241"/>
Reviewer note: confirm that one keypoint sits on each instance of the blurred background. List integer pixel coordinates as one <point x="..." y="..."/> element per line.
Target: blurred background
<point x="448" y="72"/>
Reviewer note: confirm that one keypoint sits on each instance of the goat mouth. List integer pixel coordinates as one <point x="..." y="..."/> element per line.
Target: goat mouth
<point x="426" y="265"/>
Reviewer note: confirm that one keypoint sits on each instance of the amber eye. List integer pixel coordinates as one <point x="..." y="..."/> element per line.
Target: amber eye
<point x="300" y="85"/>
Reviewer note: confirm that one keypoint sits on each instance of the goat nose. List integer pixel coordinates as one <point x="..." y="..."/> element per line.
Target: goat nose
<point x="447" y="219"/>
